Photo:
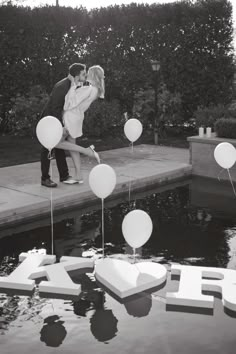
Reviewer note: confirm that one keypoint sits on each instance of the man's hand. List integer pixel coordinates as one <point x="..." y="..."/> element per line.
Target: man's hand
<point x="72" y="80"/>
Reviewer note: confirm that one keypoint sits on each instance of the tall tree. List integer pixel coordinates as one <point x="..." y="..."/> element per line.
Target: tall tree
<point x="192" y="39"/>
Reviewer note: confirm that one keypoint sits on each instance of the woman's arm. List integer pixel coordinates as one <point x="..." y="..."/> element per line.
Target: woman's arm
<point x="87" y="102"/>
<point x="75" y="96"/>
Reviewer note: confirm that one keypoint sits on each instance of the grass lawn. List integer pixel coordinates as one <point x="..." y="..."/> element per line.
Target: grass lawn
<point x="16" y="150"/>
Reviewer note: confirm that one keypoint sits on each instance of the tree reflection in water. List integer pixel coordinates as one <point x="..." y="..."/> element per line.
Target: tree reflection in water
<point x="103" y="323"/>
<point x="181" y="233"/>
<point x="53" y="332"/>
<point x="139" y="306"/>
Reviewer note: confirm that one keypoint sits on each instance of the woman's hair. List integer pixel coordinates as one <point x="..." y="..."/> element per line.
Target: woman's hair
<point x="96" y="75"/>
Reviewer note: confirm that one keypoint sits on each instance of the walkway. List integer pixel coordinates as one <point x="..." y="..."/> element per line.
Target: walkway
<point x="22" y="198"/>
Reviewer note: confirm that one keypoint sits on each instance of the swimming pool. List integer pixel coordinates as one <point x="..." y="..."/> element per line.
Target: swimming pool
<point x="193" y="223"/>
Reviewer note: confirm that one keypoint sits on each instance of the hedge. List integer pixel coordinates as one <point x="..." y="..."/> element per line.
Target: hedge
<point x="192" y="40"/>
<point x="226" y="128"/>
<point x="207" y="116"/>
<point x="101" y="118"/>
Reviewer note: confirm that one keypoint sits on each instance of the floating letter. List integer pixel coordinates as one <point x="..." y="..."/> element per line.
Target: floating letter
<point x="125" y="279"/>
<point x="34" y="266"/>
<point x="194" y="280"/>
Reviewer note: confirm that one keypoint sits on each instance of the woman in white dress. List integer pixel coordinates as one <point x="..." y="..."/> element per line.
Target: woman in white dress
<point x="77" y="101"/>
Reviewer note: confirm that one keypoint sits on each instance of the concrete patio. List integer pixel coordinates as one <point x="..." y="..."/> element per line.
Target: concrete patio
<point x="22" y="198"/>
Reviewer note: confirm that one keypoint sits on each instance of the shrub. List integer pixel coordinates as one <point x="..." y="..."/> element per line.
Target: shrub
<point x="103" y="117"/>
<point x="192" y="38"/>
<point x="226" y="128"/>
<point x="207" y="116"/>
<point x="25" y="111"/>
<point x="169" y="108"/>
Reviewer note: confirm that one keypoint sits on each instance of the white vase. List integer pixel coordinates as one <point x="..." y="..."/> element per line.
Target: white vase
<point x="208" y="132"/>
<point x="201" y="132"/>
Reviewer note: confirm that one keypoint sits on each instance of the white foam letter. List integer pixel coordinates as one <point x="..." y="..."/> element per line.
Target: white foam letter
<point x="21" y="277"/>
<point x="193" y="281"/>
<point x="33" y="267"/>
<point x="59" y="280"/>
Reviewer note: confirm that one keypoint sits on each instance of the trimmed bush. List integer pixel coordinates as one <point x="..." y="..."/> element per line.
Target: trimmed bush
<point x="192" y="38"/>
<point x="168" y="104"/>
<point x="207" y="116"/>
<point x="103" y="118"/>
<point x="226" y="128"/>
<point x="25" y="112"/>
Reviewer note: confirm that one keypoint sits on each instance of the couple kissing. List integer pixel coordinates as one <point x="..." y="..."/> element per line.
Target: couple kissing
<point x="68" y="101"/>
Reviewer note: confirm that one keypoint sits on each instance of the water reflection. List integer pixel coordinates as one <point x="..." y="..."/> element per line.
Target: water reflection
<point x="81" y="237"/>
<point x="181" y="233"/>
<point x="103" y="325"/>
<point x="9" y="311"/>
<point x="53" y="332"/>
<point x="81" y="307"/>
<point x="231" y="236"/>
<point x="139" y="306"/>
<point x="91" y="300"/>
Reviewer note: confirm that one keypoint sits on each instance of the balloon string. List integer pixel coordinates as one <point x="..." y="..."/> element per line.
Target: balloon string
<point x="220" y="174"/>
<point x="51" y="205"/>
<point x="134" y="255"/>
<point x="103" y="243"/>
<point x="231" y="182"/>
<point x="130" y="180"/>
<point x="50" y="157"/>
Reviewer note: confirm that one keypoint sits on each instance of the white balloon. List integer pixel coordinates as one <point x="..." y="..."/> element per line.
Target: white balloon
<point x="137" y="228"/>
<point x="49" y="132"/>
<point x="133" y="129"/>
<point x="225" y="155"/>
<point x="102" y="180"/>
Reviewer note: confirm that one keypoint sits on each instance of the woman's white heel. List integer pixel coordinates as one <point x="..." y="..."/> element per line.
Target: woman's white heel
<point x="92" y="147"/>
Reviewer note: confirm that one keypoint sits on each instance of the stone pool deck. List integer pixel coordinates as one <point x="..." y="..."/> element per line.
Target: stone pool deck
<point x="22" y="198"/>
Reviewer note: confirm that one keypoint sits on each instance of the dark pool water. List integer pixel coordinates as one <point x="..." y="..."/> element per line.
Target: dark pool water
<point x="191" y="225"/>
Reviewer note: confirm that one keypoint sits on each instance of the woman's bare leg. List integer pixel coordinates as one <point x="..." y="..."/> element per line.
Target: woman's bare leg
<point x="66" y="145"/>
<point x="76" y="159"/>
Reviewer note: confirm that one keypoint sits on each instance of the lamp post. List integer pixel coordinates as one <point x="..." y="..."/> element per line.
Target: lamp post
<point x="155" y="68"/>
